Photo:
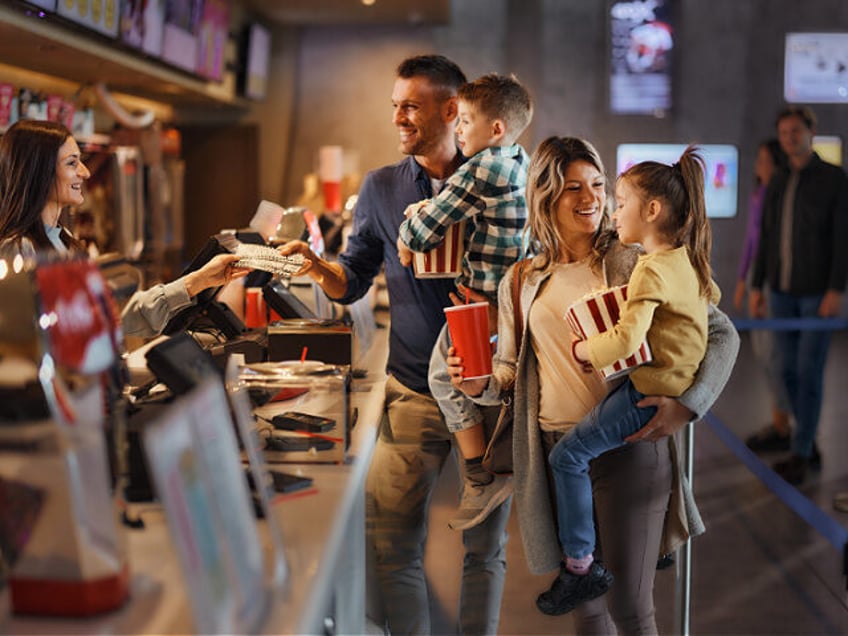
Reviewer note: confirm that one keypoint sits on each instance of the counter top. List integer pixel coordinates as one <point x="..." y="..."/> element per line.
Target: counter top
<point x="317" y="526"/>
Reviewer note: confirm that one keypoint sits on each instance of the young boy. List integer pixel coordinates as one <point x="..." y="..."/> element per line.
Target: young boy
<point x="488" y="191"/>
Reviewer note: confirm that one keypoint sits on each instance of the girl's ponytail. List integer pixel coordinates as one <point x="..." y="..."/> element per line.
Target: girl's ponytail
<point x="695" y="232"/>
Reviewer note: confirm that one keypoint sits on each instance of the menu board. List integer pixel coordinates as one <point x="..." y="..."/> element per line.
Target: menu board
<point x="143" y="24"/>
<point x="180" y="38"/>
<point x="212" y="39"/>
<point x="99" y="15"/>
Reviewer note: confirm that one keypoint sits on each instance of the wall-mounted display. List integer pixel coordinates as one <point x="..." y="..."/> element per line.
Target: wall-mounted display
<point x="48" y="5"/>
<point x="100" y="15"/>
<point x="182" y="25"/>
<point x="816" y="68"/>
<point x="255" y="59"/>
<point x="212" y="39"/>
<point x="721" y="181"/>
<point x="142" y="25"/>
<point x="641" y="46"/>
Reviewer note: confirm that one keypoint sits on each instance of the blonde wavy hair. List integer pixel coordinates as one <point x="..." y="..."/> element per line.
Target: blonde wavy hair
<point x="545" y="186"/>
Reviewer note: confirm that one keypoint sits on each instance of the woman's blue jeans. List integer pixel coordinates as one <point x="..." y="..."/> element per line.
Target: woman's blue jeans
<point x="603" y="429"/>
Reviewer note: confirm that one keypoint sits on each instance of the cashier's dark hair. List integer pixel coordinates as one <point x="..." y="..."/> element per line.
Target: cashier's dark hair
<point x="439" y="70"/>
<point x="29" y="153"/>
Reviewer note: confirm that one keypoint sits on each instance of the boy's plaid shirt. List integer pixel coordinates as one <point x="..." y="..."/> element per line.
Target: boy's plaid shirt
<point x="488" y="190"/>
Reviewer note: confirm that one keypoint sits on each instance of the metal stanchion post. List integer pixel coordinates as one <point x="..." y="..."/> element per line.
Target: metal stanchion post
<point x="683" y="589"/>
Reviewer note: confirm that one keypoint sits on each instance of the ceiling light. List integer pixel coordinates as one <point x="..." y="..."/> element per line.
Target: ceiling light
<point x="368" y="3"/>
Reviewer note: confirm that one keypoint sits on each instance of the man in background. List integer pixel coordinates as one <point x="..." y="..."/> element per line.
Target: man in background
<point x="803" y="256"/>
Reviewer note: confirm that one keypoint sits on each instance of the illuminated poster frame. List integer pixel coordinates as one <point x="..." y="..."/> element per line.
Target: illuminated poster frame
<point x="816" y="68"/>
<point x="642" y="39"/>
<point x="721" y="182"/>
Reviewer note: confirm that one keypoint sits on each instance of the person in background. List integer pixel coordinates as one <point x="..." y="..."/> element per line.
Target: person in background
<point x="413" y="442"/>
<point x="41" y="173"/>
<point x="643" y="504"/>
<point x="802" y="256"/>
<point x="488" y="191"/>
<point x="776" y="435"/>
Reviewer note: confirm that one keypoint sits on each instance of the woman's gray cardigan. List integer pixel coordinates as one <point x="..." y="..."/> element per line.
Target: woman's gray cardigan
<point x="532" y="499"/>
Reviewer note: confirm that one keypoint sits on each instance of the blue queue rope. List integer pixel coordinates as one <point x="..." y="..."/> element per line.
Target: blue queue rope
<point x="814" y="516"/>
<point x="791" y="324"/>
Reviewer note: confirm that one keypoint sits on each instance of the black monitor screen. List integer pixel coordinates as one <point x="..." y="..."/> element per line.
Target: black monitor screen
<point x="281" y="299"/>
<point x="180" y="363"/>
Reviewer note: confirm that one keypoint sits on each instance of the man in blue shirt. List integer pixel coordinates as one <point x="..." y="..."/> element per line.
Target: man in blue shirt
<point x="414" y="441"/>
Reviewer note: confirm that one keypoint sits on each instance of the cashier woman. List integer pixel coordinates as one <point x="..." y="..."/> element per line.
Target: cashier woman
<point x="41" y="172"/>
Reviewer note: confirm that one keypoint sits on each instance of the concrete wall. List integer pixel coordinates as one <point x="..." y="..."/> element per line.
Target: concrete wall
<point x="728" y="82"/>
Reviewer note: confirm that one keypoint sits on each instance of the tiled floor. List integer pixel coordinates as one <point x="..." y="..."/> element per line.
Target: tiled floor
<point x="759" y="569"/>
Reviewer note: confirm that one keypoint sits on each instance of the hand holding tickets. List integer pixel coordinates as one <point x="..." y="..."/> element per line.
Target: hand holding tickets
<point x="268" y="259"/>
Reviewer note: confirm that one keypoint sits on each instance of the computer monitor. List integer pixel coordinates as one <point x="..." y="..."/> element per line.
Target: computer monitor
<point x="283" y="301"/>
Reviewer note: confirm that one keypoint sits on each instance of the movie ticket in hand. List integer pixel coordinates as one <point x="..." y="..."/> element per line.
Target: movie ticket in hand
<point x="268" y="259"/>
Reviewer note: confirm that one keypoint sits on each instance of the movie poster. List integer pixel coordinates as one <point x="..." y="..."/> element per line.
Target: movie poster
<point x="641" y="41"/>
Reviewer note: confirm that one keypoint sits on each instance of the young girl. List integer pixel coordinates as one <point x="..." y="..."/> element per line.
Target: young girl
<point x="661" y="208"/>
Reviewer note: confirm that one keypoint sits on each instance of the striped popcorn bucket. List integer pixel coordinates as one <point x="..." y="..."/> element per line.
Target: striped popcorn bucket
<point x="595" y="314"/>
<point x="444" y="260"/>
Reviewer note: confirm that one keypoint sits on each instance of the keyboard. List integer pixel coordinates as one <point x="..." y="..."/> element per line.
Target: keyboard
<point x="268" y="259"/>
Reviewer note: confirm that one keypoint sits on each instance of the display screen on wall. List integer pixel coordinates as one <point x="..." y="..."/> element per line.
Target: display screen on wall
<point x="721" y="181"/>
<point x="182" y="25"/>
<point x="816" y="68"/>
<point x="212" y="40"/>
<point x="829" y="148"/>
<point x="100" y="16"/>
<point x="142" y="25"/>
<point x="642" y="43"/>
<point x="256" y="60"/>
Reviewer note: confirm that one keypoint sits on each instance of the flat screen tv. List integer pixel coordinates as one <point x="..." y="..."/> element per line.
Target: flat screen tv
<point x="642" y="40"/>
<point x="256" y="57"/>
<point x="816" y="68"/>
<point x="721" y="182"/>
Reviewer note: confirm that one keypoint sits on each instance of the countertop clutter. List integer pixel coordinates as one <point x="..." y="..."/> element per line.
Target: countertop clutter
<point x="312" y="548"/>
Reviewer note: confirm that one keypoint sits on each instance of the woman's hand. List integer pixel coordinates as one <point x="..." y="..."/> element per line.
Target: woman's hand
<point x="670" y="417"/>
<point x="219" y="271"/>
<point x="477" y="297"/>
<point x="471" y="388"/>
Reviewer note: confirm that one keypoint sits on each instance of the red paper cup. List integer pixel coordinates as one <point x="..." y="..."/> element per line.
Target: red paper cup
<point x="254" y="308"/>
<point x="444" y="260"/>
<point x="599" y="312"/>
<point x="332" y="195"/>
<point x="469" y="332"/>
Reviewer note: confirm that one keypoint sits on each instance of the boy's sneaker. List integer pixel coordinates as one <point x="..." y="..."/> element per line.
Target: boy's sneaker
<point x="478" y="501"/>
<point x="569" y="590"/>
